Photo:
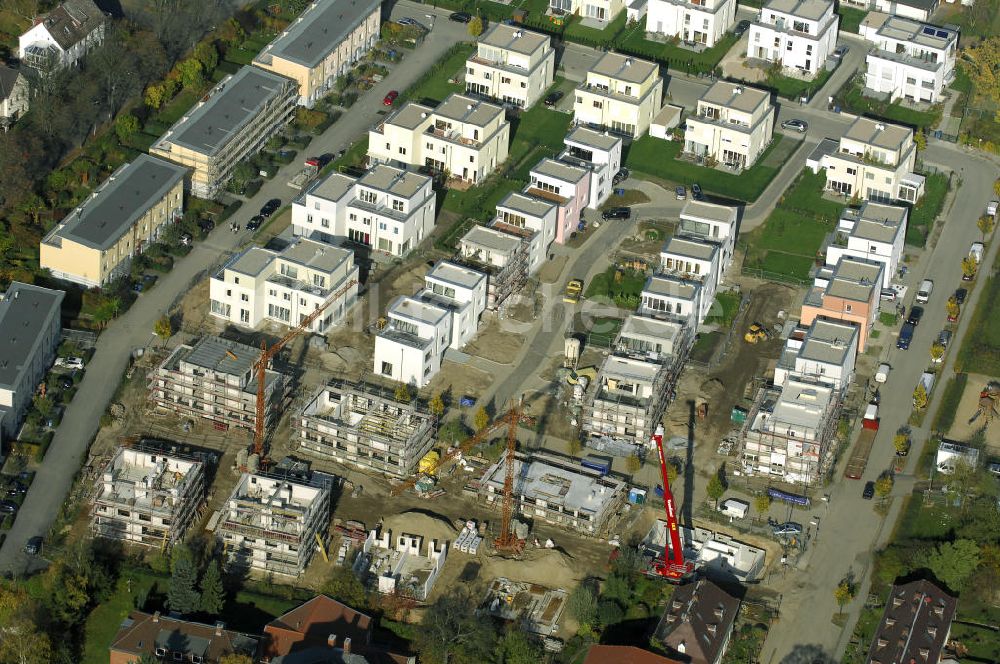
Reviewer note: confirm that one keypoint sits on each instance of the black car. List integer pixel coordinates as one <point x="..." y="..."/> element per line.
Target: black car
<point x="66" y="382"/>
<point x="697" y="193"/>
<point x="8" y="506"/>
<point x="617" y="213"/>
<point x="34" y="546"/>
<point x="270" y="207"/>
<point x="255" y="223"/>
<point x="620" y="176"/>
<point x="206" y="225"/>
<point x="869" y="491"/>
<point x="460" y="17"/>
<point x="15" y="488"/>
<point x="741" y="27"/>
<point x="960" y="295"/>
<point x="553" y="98"/>
<point x="916" y="313"/>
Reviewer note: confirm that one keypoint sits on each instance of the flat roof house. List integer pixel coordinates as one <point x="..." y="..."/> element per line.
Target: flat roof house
<point x="238" y="117"/>
<point x="172" y="639"/>
<point x="501" y="255"/>
<point x="875" y="232"/>
<point x="324" y="42"/>
<point x="824" y="351"/>
<point x="848" y="292"/>
<point x="800" y="34"/>
<point x="911" y="60"/>
<point x="915" y="625"/>
<point x="286" y="286"/>
<point x="918" y="10"/>
<point x="63" y="36"/>
<point x="621" y="94"/>
<point x="531" y="216"/>
<point x="30" y="328"/>
<point x="463" y="137"/>
<point x="601" y="11"/>
<point x="600" y="152"/>
<point x="511" y="65"/>
<point x="698" y="622"/>
<point x="566" y="185"/>
<point x="95" y="243"/>
<point x="702" y="22"/>
<point x="733" y="124"/>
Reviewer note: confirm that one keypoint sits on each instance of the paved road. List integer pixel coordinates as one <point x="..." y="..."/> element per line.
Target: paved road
<point x="134" y="328"/>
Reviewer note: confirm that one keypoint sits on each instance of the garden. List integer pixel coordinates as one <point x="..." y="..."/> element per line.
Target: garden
<point x="851" y="98"/>
<point x="922" y="216"/>
<point x="623" y="286"/>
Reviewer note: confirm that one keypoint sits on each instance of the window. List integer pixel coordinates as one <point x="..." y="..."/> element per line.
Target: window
<point x="598" y="104"/>
<point x="402" y="151"/>
<point x="229" y="292"/>
<point x="397" y="205"/>
<point x="809" y="49"/>
<point x="244" y="315"/>
<point x="386" y="368"/>
<point x="244" y="297"/>
<point x="788" y="46"/>
<point x="369" y="196"/>
<point x="289" y="271"/>
<point x="382" y="226"/>
<point x="430" y="146"/>
<point x="236" y="280"/>
<point x="505" y="79"/>
<point x="848" y="308"/>
<point x="302" y="301"/>
<point x="852" y="171"/>
<point x="319" y="280"/>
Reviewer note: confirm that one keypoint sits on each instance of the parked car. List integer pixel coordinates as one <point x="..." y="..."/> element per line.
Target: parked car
<point x="741" y="27"/>
<point x="696" y="192"/>
<point x="33" y="546"/>
<point x="460" y="17"/>
<point x="840" y="52"/>
<point x="69" y="362"/>
<point x="924" y="292"/>
<point x="622" y="175"/>
<point x="800" y="126"/>
<point x="144" y="284"/>
<point x="617" y="213"/>
<point x="255" y="223"/>
<point x="206" y="225"/>
<point x="573" y="291"/>
<point x="905" y="336"/>
<point x="391" y="97"/>
<point x="960" y="295"/>
<point x="8" y="506"/>
<point x="406" y="20"/>
<point x="788" y="528"/>
<point x="270" y="207"/>
<point x="553" y="98"/>
<point x="916" y="313"/>
<point x="66" y="382"/>
<point x="869" y="491"/>
<point x="882" y="373"/>
<point x="15" y="488"/>
<point x="185" y="239"/>
<point x="887" y="295"/>
<point x="681" y="193"/>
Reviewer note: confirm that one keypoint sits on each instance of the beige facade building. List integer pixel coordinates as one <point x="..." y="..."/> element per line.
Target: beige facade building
<point x="621" y="95"/>
<point x="240" y="114"/>
<point x="734" y="124"/>
<point x="327" y="40"/>
<point x="96" y="242"/>
<point x="511" y="65"/>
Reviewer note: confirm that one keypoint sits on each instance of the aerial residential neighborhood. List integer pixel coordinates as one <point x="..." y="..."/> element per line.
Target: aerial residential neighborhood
<point x="548" y="331"/>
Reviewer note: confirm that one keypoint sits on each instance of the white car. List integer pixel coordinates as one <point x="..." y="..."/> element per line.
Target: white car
<point x="69" y="362"/>
<point x="882" y="373"/>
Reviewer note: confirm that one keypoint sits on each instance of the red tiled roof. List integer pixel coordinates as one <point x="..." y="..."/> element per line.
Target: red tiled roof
<point x="624" y="655"/>
<point x="311" y="624"/>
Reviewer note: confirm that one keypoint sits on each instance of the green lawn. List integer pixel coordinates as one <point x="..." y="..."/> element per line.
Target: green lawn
<point x="240" y="56"/>
<point x="434" y="86"/>
<point x="658" y="158"/>
<point x="723" y="311"/>
<point x="850" y="18"/>
<point x="980" y="350"/>
<point x="851" y="99"/>
<point x="922" y="216"/>
<point x="177" y="107"/>
<point x="634" y="42"/>
<point x="621" y="286"/>
<point x="794" y="88"/>
<point x="577" y="32"/>
<point x="104" y="621"/>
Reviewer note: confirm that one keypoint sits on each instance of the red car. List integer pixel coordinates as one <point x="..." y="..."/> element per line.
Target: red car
<point x="391" y="97"/>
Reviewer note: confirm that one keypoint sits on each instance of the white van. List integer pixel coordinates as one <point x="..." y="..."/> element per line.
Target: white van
<point x="882" y="373"/>
<point x="976" y="251"/>
<point x="924" y="292"/>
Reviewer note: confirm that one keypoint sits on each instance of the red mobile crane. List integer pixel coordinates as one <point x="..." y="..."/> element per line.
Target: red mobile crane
<point x="673" y="567"/>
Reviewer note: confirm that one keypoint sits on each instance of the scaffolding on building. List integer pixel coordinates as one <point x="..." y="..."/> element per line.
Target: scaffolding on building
<point x="507" y="280"/>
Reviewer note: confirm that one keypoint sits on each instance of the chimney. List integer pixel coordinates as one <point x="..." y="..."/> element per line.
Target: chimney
<point x="331" y="640"/>
<point x="156" y="617"/>
<point x="219" y="626"/>
<point x="347" y="646"/>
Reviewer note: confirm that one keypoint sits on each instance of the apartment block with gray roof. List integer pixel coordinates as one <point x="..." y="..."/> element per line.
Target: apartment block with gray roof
<point x="95" y="243"/>
<point x="733" y="124"/>
<point x="234" y="122"/>
<point x="30" y="326"/>
<point x="511" y="65"/>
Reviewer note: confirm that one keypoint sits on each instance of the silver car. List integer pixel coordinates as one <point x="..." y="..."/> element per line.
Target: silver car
<point x="800" y="126"/>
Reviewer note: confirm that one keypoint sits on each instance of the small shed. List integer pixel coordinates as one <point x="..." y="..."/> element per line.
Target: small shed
<point x="665" y="121"/>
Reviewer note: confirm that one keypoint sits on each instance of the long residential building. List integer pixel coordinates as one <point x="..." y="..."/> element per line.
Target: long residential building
<point x="96" y="242"/>
<point x="324" y="42"/>
<point x="800" y="34"/>
<point x="621" y="94"/>
<point x="286" y="286"/>
<point x="511" y="65"/>
<point x="147" y="497"/>
<point x="238" y="117"/>
<point x="361" y="426"/>
<point x="216" y="379"/>
<point x="30" y="329"/>
<point x="733" y="124"/>
<point x="388" y="209"/>
<point x="911" y="60"/>
<point x="702" y="22"/>
<point x="273" y="525"/>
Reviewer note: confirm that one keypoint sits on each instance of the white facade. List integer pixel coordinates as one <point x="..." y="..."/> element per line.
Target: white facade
<point x="598" y="10"/>
<point x="703" y="22"/>
<point x="733" y="124"/>
<point x="463" y="292"/>
<point x="910" y="60"/>
<point x="601" y="153"/>
<point x="621" y="94"/>
<point x="918" y="10"/>
<point x="694" y="259"/>
<point x="711" y="222"/>
<point x="670" y="297"/>
<point x="511" y="65"/>
<point x="825" y="352"/>
<point x="800" y="34"/>
<point x="463" y="137"/>
<point x="875" y="232"/>
<point x="874" y="161"/>
<point x="518" y="212"/>
<point x="388" y="209"/>
<point x="286" y="286"/>
<point x="14" y="95"/>
<point x="63" y="36"/>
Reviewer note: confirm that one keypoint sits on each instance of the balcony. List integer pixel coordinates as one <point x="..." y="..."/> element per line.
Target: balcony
<point x="453" y="136"/>
<point x="605" y="91"/>
<point x="298" y="285"/>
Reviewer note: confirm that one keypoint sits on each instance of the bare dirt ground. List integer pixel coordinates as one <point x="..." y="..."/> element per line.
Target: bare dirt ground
<point x="459" y="379"/>
<point x="552" y="269"/>
<point x="649" y="239"/>
<point x="967" y="407"/>
<point x="495" y="344"/>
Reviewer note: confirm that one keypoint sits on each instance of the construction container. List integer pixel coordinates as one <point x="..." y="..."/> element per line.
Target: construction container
<point x="429" y="463"/>
<point x="738" y="415"/>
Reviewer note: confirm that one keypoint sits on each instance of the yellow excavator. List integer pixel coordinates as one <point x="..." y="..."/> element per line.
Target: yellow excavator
<point x="756" y="332"/>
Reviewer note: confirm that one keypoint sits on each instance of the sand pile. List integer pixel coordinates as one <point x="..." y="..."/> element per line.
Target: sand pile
<point x="546" y="567"/>
<point x="425" y="523"/>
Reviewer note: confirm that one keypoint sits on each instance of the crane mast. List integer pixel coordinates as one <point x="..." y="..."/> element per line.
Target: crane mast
<point x="673" y="567"/>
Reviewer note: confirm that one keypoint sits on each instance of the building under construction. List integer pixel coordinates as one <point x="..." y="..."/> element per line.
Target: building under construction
<point x="557" y="491"/>
<point x="361" y="426"/>
<point x="273" y="524"/>
<point x="147" y="497"/>
<point x="636" y="382"/>
<point x="501" y="252"/>
<point x="215" y="379"/>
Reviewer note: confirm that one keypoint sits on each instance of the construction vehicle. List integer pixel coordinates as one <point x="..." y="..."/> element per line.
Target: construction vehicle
<point x="303" y="177"/>
<point x="755" y="333"/>
<point x="863" y="445"/>
<point x="573" y="291"/>
<point x="673" y="567"/>
<point x="267" y="354"/>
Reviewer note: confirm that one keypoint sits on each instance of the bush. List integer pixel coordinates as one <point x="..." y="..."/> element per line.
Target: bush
<point x="229" y="210"/>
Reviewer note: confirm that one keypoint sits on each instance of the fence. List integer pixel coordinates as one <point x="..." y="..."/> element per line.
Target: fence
<point x="779" y="277"/>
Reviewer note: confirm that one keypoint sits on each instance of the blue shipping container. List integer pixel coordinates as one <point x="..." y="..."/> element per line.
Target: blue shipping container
<point x="793" y="498"/>
<point x="602" y="466"/>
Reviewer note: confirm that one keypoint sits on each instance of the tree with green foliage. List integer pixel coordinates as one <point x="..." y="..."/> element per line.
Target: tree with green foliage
<point x="937" y="351"/>
<point x="481" y="420"/>
<point x="182" y="596"/>
<point x="920" y="396"/>
<point x="883" y="486"/>
<point x="452" y="633"/>
<point x="985" y="224"/>
<point x="519" y="647"/>
<point x="163" y="328"/>
<point x="453" y="432"/>
<point x="126" y="127"/>
<point x="582" y="605"/>
<point x="190" y="71"/>
<point x="901" y="442"/>
<point x="208" y="55"/>
<point x="24" y="643"/>
<point x="236" y="658"/>
<point x="243" y="175"/>
<point x="969" y="267"/>
<point x="844" y="593"/>
<point x="952" y="308"/>
<point x="715" y="488"/>
<point x="953" y="563"/>
<point x="633" y="464"/>
<point x="436" y="405"/>
<point x="402" y="393"/>
<point x="232" y="33"/>
<point x="475" y="26"/>
<point x="343" y="585"/>
<point x="609" y="613"/>
<point x="213" y="596"/>
<point x="981" y="63"/>
<point x="920" y="140"/>
<point x="154" y="96"/>
<point x="762" y="503"/>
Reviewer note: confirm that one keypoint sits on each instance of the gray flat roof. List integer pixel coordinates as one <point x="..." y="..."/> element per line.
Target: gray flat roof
<point x="625" y="67"/>
<point x="468" y="110"/>
<point x="812" y="10"/>
<point x="217" y="354"/>
<point x="232" y="104"/>
<point x="529" y="205"/>
<point x="879" y="133"/>
<point x="395" y="181"/>
<point x="905" y="29"/>
<point x="700" y="210"/>
<point x="514" y="39"/>
<point x="690" y="247"/>
<point x="825" y="148"/>
<point x="589" y="137"/>
<point x="316" y="255"/>
<point x="828" y="341"/>
<point x="559" y="170"/>
<point x="416" y="309"/>
<point x="641" y="326"/>
<point x="332" y="187"/>
<point x="878" y="222"/>
<point x="736" y="96"/>
<point x="410" y="116"/>
<point x="319" y="31"/>
<point x="854" y="279"/>
<point x="492" y="239"/>
<point x="671" y="287"/>
<point x="252" y="261"/>
<point x="101" y="220"/>
<point x="456" y="274"/>
<point x="26" y="311"/>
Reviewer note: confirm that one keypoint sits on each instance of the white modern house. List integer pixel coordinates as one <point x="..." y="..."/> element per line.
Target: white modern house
<point x="701" y="22"/>
<point x="873" y="231"/>
<point x="444" y="314"/>
<point x="601" y="153"/>
<point x="673" y="298"/>
<point x="463" y="137"/>
<point x="621" y="94"/>
<point x="530" y="217"/>
<point x="567" y="186"/>
<point x="695" y="259"/>
<point x="710" y="222"/>
<point x="284" y="287"/>
<point x="63" y="36"/>
<point x="511" y="65"/>
<point x="388" y="209"/>
<point x="800" y="34"/>
<point x="918" y="10"/>
<point x="910" y="59"/>
<point x="873" y="160"/>
<point x="733" y="124"/>
<point x="825" y="351"/>
<point x="597" y="10"/>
